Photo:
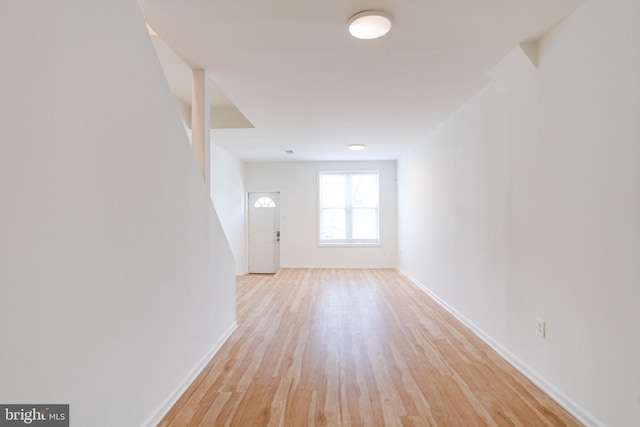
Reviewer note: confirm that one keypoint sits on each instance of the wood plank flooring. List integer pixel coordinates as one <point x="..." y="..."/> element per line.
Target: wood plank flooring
<point x="352" y="347"/>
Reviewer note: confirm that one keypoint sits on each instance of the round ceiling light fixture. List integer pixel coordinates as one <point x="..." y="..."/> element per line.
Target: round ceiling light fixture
<point x="369" y="24"/>
<point x="356" y="147"/>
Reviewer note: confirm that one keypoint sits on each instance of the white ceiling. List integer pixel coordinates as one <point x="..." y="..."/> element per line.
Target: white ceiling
<point x="292" y="69"/>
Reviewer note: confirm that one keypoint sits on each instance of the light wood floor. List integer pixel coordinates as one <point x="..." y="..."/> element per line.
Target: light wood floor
<point x="347" y="347"/>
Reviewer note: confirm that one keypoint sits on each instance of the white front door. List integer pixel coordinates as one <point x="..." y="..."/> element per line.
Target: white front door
<point x="264" y="232"/>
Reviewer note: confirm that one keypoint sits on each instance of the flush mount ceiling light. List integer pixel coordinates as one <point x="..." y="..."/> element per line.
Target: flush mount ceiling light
<point x="356" y="147"/>
<point x="369" y="24"/>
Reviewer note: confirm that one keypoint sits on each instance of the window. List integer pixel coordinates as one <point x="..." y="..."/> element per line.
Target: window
<point x="264" y="202"/>
<point x="348" y="207"/>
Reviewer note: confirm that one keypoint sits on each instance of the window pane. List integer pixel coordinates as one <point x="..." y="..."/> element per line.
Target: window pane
<point x="332" y="191"/>
<point x="332" y="224"/>
<point x="348" y="207"/>
<point x="264" y="202"/>
<point x="364" y="191"/>
<point x="365" y="224"/>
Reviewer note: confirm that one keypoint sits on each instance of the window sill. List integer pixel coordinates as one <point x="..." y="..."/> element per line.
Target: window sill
<point x="349" y="245"/>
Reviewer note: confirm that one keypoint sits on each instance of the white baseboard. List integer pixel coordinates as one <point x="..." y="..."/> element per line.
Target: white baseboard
<point x="157" y="416"/>
<point x="338" y="266"/>
<point x="562" y="399"/>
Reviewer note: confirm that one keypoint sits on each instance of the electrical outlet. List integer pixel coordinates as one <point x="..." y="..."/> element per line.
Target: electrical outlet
<point x="541" y="328"/>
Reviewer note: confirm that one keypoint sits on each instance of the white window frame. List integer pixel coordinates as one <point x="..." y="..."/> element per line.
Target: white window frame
<point x="348" y="212"/>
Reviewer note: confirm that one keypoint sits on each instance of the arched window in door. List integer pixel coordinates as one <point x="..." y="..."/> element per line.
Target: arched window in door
<point x="264" y="202"/>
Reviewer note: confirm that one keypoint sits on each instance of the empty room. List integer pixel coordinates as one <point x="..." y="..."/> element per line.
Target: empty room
<point x="354" y="213"/>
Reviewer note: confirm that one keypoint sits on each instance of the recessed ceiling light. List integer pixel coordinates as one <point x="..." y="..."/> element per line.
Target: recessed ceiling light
<point x="356" y="147"/>
<point x="369" y="24"/>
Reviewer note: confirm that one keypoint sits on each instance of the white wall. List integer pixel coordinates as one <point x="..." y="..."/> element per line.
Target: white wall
<point x="297" y="184"/>
<point x="526" y="204"/>
<point x="115" y="278"/>
<point x="228" y="195"/>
